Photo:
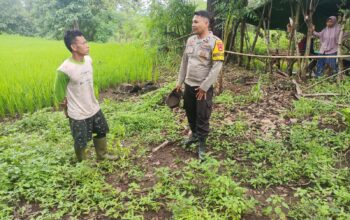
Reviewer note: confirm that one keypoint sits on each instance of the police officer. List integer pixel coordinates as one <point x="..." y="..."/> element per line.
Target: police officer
<point x="201" y="64"/>
<point x="74" y="87"/>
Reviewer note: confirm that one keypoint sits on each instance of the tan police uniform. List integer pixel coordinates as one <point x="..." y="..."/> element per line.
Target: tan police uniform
<point x="201" y="64"/>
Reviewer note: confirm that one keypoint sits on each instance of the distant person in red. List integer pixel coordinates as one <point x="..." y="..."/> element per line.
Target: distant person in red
<point x="302" y="48"/>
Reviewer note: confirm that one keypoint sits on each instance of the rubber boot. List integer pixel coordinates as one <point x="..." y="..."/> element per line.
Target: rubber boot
<point x="80" y="153"/>
<point x="100" y="145"/>
<point x="191" y="140"/>
<point x="202" y="148"/>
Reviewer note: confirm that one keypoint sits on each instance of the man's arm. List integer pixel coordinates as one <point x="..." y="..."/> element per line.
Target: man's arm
<point x="218" y="58"/>
<point x="182" y="71"/>
<point x="60" y="90"/>
<point x="212" y="76"/>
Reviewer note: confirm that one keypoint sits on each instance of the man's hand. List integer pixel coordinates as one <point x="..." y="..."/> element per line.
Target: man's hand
<point x="65" y="107"/>
<point x="178" y="88"/>
<point x="201" y="94"/>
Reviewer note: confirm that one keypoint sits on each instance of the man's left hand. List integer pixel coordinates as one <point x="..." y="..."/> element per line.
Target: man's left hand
<point x="65" y="107"/>
<point x="201" y="94"/>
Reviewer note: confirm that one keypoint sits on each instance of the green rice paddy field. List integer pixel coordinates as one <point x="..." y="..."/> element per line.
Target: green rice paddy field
<point x="28" y="69"/>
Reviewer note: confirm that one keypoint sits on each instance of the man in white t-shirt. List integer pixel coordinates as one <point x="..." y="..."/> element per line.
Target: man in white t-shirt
<point x="75" y="90"/>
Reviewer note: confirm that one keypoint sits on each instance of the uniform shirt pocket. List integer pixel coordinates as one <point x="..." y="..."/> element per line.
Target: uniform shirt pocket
<point x="204" y="51"/>
<point x="189" y="49"/>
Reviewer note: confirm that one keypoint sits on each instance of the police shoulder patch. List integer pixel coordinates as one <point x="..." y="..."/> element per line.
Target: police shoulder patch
<point x="218" y="51"/>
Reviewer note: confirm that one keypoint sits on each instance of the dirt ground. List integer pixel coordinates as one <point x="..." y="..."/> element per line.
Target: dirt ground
<point x="263" y="116"/>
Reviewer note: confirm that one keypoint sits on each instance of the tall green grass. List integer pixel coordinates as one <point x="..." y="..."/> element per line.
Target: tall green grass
<point x="28" y="69"/>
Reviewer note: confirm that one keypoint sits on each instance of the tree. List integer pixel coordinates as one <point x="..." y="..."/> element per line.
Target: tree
<point x="14" y="19"/>
<point x="170" y="19"/>
<point x="96" y="19"/>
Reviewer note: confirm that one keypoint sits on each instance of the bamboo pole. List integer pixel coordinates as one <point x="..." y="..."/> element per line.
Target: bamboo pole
<point x="226" y="30"/>
<point x="340" y="43"/>
<point x="241" y="46"/>
<point x="287" y="57"/>
<point x="247" y="39"/>
<point x="291" y="47"/>
<point x="267" y="35"/>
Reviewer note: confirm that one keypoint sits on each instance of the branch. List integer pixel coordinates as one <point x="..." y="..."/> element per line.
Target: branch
<point x="313" y="85"/>
<point x="321" y="94"/>
<point x="298" y="89"/>
<point x="165" y="143"/>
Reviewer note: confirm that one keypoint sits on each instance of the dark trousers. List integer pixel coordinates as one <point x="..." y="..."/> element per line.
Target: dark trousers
<point x="82" y="129"/>
<point x="198" y="111"/>
<point x="332" y="62"/>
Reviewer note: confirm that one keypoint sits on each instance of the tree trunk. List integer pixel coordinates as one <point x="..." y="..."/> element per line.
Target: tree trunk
<point x="257" y="31"/>
<point x="227" y="30"/>
<point x="75" y="25"/>
<point x="267" y="37"/>
<point x="233" y="40"/>
<point x="295" y="38"/>
<point x="211" y="9"/>
<point x="210" y="6"/>
<point x="241" y="46"/>
<point x="308" y="19"/>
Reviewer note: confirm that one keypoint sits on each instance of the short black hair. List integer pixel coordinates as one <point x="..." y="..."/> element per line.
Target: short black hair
<point x="205" y="14"/>
<point x="69" y="38"/>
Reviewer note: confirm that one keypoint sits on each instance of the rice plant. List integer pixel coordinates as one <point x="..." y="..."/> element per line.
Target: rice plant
<point x="28" y="69"/>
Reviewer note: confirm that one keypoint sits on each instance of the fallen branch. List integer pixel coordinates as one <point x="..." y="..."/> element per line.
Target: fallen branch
<point x="165" y="143"/>
<point x="299" y="94"/>
<point x="282" y="73"/>
<point x="338" y="105"/>
<point x="315" y="84"/>
<point x="298" y="89"/>
<point x="299" y="184"/>
<point x="239" y="159"/>
<point x="346" y="153"/>
<point x="251" y="83"/>
<point x="321" y="94"/>
<point x="331" y="103"/>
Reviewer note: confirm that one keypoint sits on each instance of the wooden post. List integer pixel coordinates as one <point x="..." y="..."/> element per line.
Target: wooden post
<point x="340" y="43"/>
<point x="291" y="46"/>
<point x="297" y="14"/>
